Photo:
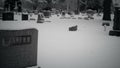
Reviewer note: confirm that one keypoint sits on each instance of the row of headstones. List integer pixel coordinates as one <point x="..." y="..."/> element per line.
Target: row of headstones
<point x="116" y="25"/>
<point x="89" y="14"/>
<point x="9" y="16"/>
<point x="18" y="48"/>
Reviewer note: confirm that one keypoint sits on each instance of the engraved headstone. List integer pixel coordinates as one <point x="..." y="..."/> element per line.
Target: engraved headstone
<point x="40" y="18"/>
<point x="116" y="24"/>
<point x="114" y="33"/>
<point x="24" y="16"/>
<point x="73" y="28"/>
<point x="18" y="48"/>
<point x="105" y="24"/>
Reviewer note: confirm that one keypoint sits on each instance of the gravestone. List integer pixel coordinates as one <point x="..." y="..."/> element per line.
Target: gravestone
<point x="105" y="24"/>
<point x="40" y="18"/>
<point x="18" y="48"/>
<point x="90" y="13"/>
<point x="114" y="33"/>
<point x="73" y="28"/>
<point x="116" y="24"/>
<point x="63" y="13"/>
<point x="70" y="13"/>
<point x="24" y="16"/>
<point x="8" y="16"/>
<point x="47" y="14"/>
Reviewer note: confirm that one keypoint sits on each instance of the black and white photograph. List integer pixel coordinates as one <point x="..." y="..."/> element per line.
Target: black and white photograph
<point x="59" y="33"/>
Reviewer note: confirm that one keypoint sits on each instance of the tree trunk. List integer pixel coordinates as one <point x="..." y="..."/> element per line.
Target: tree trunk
<point x="107" y="10"/>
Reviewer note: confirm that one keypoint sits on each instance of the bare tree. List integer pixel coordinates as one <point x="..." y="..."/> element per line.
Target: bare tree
<point x="9" y="5"/>
<point x="35" y="4"/>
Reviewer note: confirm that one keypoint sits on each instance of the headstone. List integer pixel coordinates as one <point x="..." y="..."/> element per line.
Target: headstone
<point x="73" y="28"/>
<point x="86" y="18"/>
<point x="90" y="13"/>
<point x="34" y="67"/>
<point x="116" y="25"/>
<point x="18" y="48"/>
<point x="70" y="13"/>
<point x="116" y="5"/>
<point x="105" y="24"/>
<point x="39" y="67"/>
<point x="47" y="14"/>
<point x="63" y="13"/>
<point x="8" y="16"/>
<point x="114" y="33"/>
<point x="24" y="16"/>
<point x="40" y="19"/>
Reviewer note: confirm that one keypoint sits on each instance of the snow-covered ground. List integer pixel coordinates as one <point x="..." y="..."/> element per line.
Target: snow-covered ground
<point x="88" y="47"/>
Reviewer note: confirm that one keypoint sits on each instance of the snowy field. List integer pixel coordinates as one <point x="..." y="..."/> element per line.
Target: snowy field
<point x="88" y="47"/>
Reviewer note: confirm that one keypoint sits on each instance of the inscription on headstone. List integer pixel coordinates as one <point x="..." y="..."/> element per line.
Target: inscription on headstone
<point x="15" y="40"/>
